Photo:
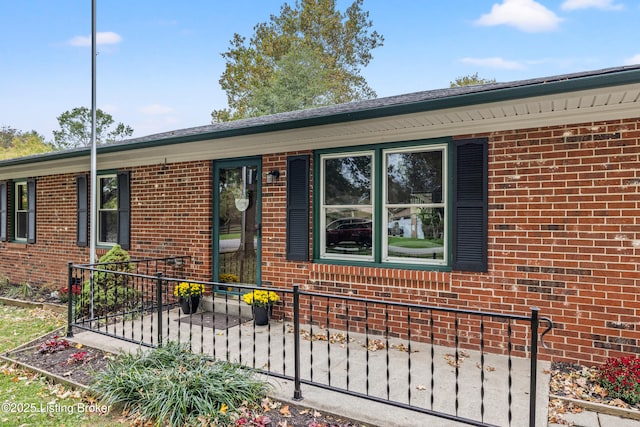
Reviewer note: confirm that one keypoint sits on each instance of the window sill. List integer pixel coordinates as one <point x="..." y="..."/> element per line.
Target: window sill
<point x="382" y="266"/>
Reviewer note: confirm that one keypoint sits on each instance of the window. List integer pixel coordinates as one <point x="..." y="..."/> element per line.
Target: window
<point x="410" y="213"/>
<point x="108" y="209"/>
<point x="417" y="205"/>
<point x="113" y="209"/>
<point x="414" y="208"/>
<point x="3" y="211"/>
<point x="347" y="206"/>
<point x="21" y="211"/>
<point x="24" y="211"/>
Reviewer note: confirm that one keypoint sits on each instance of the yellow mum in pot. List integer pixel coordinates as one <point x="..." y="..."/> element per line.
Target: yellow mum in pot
<point x="188" y="289"/>
<point x="259" y="298"/>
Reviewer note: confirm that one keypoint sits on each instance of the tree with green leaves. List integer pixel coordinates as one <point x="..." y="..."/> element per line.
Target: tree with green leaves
<point x="15" y="143"/>
<point x="75" y="128"/>
<point x="470" y="80"/>
<point x="308" y="56"/>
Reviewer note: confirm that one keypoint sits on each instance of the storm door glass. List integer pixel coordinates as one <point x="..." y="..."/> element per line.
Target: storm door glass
<point x="238" y="231"/>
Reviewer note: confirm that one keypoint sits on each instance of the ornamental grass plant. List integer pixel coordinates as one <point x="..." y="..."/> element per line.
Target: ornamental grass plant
<point x="172" y="386"/>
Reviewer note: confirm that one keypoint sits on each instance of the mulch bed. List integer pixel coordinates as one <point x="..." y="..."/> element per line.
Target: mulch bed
<point x="74" y="363"/>
<point x="579" y="384"/>
<point x="566" y="380"/>
<point x="62" y="365"/>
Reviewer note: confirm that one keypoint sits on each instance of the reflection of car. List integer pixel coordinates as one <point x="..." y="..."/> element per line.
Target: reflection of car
<point x="349" y="230"/>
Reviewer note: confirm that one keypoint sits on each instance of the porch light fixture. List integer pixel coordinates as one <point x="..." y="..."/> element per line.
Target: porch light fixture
<point x="272" y="176"/>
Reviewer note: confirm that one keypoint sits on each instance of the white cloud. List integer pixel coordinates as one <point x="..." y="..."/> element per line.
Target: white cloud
<point x="104" y="38"/>
<point x="494" y="62"/>
<point x="635" y="59"/>
<point x="587" y="4"/>
<point x="156" y="125"/>
<point x="525" y="15"/>
<point x="110" y="108"/>
<point x="156" y="109"/>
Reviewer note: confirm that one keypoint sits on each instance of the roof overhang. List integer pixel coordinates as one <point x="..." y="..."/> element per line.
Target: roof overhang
<point x="582" y="100"/>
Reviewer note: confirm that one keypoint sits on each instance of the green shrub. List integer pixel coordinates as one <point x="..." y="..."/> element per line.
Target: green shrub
<point x="621" y="378"/>
<point x="23" y="291"/>
<point x="174" y="386"/>
<point x="111" y="291"/>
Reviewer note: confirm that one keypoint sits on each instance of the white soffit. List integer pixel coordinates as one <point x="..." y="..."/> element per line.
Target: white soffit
<point x="552" y="110"/>
<point x="609" y="103"/>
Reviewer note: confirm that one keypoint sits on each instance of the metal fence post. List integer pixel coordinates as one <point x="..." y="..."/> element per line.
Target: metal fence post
<point x="159" y="301"/>
<point x="70" y="299"/>
<point x="297" y="393"/>
<point x="533" y="384"/>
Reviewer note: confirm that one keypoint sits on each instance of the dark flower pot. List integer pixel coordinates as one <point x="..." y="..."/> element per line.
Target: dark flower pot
<point x="190" y="304"/>
<point x="260" y="315"/>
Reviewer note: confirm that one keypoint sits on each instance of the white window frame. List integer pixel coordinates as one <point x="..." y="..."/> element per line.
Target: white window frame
<point x="386" y="258"/>
<point x="17" y="211"/>
<point x="99" y="209"/>
<point x="324" y="207"/>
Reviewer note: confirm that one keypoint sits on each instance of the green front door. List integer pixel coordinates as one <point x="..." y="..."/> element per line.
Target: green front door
<point x="236" y="221"/>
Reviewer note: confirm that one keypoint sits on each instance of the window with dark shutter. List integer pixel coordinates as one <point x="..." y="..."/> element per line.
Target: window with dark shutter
<point x="124" y="210"/>
<point x="82" y="222"/>
<point x="3" y="211"/>
<point x="31" y="209"/>
<point x="470" y="209"/>
<point x="298" y="208"/>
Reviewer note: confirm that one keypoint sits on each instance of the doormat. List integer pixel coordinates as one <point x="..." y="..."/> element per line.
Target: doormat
<point x="210" y="319"/>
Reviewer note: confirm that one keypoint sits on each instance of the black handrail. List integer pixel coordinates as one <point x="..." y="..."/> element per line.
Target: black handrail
<point x="155" y="303"/>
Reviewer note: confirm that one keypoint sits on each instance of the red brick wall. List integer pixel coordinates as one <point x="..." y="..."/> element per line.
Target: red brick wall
<point x="276" y="270"/>
<point x="170" y="215"/>
<point x="46" y="261"/>
<point x="564" y="235"/>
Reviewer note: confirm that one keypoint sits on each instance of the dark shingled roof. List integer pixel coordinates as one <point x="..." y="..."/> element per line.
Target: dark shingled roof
<point x="380" y="106"/>
<point x="369" y="109"/>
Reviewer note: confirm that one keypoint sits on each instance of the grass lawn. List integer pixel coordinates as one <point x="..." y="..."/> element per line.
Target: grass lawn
<point x="28" y="399"/>
<point x="407" y="242"/>
<point x="19" y="325"/>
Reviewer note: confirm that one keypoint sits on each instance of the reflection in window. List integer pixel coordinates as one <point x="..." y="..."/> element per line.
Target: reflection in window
<point x="21" y="211"/>
<point x="108" y="210"/>
<point x="414" y="208"/>
<point x="347" y="213"/>
<point x="402" y="221"/>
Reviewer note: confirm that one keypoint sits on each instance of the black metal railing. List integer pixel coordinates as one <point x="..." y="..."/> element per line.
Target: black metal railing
<point x="438" y="361"/>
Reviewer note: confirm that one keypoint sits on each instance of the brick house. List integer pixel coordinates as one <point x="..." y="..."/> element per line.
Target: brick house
<point x="498" y="197"/>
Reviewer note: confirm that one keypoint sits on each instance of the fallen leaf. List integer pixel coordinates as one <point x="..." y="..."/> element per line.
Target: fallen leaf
<point x="375" y="345"/>
<point x="284" y="411"/>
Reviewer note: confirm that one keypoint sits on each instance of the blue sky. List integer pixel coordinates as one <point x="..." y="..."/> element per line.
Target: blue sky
<point x="159" y="61"/>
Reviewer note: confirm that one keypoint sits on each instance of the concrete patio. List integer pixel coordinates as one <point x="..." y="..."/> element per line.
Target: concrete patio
<point x="331" y="358"/>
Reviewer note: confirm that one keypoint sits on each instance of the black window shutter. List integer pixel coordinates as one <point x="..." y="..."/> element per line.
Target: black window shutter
<point x="82" y="221"/>
<point x="124" y="210"/>
<point x="470" y="205"/>
<point x="31" y="211"/>
<point x="298" y="208"/>
<point x="3" y="211"/>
